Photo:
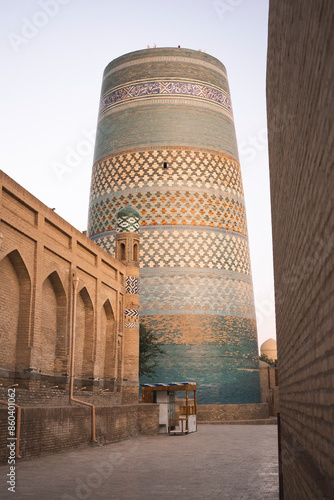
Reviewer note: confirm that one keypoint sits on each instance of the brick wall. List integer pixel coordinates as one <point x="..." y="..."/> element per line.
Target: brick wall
<point x="300" y="117"/>
<point x="207" y="413"/>
<point x="49" y="430"/>
<point x="39" y="254"/>
<point x="269" y="387"/>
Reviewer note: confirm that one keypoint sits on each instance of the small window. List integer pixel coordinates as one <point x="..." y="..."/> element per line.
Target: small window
<point x="135" y="252"/>
<point x="165" y="164"/>
<point x="122" y="251"/>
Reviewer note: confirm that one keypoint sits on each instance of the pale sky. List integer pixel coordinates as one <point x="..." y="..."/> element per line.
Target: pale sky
<point x="53" y="53"/>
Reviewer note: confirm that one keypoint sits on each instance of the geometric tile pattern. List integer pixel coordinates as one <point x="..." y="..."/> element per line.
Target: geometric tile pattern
<point x="131" y="325"/>
<point x="188" y="248"/>
<point x="196" y="287"/>
<point x="186" y="168"/>
<point x="169" y="207"/>
<point x="155" y="89"/>
<point x="193" y="292"/>
<point x="127" y="223"/>
<point x="131" y="284"/>
<point x="195" y="249"/>
<point x="131" y="312"/>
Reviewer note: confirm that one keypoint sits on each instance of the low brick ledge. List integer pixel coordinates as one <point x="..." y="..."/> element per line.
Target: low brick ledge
<point x="232" y="412"/>
<point x="261" y="421"/>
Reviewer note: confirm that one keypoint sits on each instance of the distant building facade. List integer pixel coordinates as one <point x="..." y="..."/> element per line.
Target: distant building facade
<point x="300" y="130"/>
<point x="166" y="145"/>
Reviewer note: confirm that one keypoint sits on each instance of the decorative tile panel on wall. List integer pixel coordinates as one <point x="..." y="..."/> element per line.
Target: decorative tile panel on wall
<point x="186" y="168"/>
<point x="192" y="292"/>
<point x="188" y="248"/>
<point x="132" y="284"/>
<point x="143" y="89"/>
<point x="128" y="224"/>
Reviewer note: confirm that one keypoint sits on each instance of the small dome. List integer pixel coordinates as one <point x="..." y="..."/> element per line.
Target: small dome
<point x="269" y="348"/>
<point x="128" y="212"/>
<point x="269" y="344"/>
<point x="263" y="364"/>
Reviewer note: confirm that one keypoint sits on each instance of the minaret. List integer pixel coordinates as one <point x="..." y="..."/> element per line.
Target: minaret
<point x="127" y="251"/>
<point x="166" y="145"/>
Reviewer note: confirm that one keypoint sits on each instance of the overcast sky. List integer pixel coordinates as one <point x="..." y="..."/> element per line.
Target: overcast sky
<point x="53" y="53"/>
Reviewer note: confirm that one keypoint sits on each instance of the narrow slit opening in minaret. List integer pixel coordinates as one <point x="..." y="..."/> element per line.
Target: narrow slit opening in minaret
<point x="165" y="164"/>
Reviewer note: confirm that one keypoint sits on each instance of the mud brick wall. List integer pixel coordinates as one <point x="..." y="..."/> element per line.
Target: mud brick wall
<point x="53" y="429"/>
<point x="269" y="387"/>
<point x="148" y="419"/>
<point x="207" y="413"/>
<point x="300" y="130"/>
<point x="39" y="254"/>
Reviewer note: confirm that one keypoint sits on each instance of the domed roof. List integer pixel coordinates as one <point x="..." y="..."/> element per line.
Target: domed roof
<point x="128" y="211"/>
<point x="269" y="344"/>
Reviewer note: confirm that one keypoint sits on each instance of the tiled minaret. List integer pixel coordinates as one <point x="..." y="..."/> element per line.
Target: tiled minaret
<point x="127" y="251"/>
<point x="166" y="145"/>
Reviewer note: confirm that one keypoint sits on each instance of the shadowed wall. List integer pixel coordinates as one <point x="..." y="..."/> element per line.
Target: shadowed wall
<point x="300" y="118"/>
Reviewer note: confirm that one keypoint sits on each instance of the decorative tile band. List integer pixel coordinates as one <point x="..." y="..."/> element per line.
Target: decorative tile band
<point x="169" y="207"/>
<point x="189" y="248"/>
<point x="235" y="333"/>
<point x="145" y="89"/>
<point x="132" y="285"/>
<point x="196" y="189"/>
<point x="131" y="325"/>
<point x="208" y="292"/>
<point x="131" y="312"/>
<point x="186" y="169"/>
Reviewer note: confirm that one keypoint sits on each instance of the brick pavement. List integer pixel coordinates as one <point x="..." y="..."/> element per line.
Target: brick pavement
<point x="218" y="462"/>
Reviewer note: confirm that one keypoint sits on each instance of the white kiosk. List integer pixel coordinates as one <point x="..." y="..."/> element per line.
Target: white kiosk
<point x="164" y="395"/>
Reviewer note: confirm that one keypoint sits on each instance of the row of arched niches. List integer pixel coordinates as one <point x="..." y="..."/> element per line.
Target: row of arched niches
<point x="35" y="328"/>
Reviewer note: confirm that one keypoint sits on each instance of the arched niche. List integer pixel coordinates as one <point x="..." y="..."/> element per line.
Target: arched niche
<point x="15" y="300"/>
<point x="109" y="325"/>
<point x="84" y="338"/>
<point x="122" y="251"/>
<point x="54" y="336"/>
<point x="135" y="252"/>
